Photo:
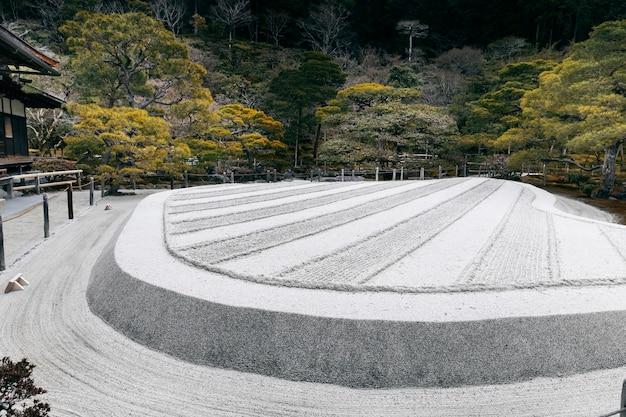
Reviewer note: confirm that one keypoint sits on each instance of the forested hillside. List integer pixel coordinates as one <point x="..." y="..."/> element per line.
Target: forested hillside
<point x="166" y="86"/>
<point x="452" y="23"/>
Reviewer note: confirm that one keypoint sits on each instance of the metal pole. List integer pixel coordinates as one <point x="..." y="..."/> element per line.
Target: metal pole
<point x="70" y="203"/>
<point x="2" y="263"/>
<point x="422" y="173"/>
<point x="46" y="217"/>
<point x="102" y="186"/>
<point x="91" y="190"/>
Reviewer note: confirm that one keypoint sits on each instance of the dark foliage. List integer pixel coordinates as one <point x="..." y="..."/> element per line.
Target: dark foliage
<point x="452" y="23"/>
<point x="17" y="390"/>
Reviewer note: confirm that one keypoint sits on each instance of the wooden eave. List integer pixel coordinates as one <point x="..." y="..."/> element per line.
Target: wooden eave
<point x="16" y="53"/>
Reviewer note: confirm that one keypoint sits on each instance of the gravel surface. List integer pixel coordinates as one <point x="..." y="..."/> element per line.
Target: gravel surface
<point x="90" y="369"/>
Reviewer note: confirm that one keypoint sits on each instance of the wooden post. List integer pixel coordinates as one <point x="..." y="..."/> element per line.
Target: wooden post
<point x="91" y="190"/>
<point x="456" y="170"/>
<point x="622" y="404"/>
<point x="70" y="203"/>
<point x="343" y="173"/>
<point x="102" y="186"/>
<point x="440" y="172"/>
<point x="545" y="173"/>
<point x="37" y="188"/>
<point x="232" y="177"/>
<point x="46" y="217"/>
<point x="422" y="173"/>
<point x="2" y="263"/>
<point x="377" y="171"/>
<point x="186" y="176"/>
<point x="10" y="189"/>
<point x="393" y="174"/>
<point x="401" y="173"/>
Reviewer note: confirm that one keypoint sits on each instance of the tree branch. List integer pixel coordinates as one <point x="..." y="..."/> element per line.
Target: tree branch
<point x="571" y="161"/>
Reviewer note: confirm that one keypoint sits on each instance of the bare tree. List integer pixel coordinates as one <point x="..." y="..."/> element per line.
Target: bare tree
<point x="275" y="24"/>
<point x="170" y="12"/>
<point x="8" y="12"/>
<point x="233" y="14"/>
<point x="44" y="126"/>
<point x="466" y="60"/>
<point x="110" y="7"/>
<point x="50" y="11"/>
<point x="506" y="48"/>
<point x="440" y="85"/>
<point x="414" y="29"/>
<point x="326" y="27"/>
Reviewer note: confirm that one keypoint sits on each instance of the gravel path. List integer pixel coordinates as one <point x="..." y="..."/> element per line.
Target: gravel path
<point x="91" y="370"/>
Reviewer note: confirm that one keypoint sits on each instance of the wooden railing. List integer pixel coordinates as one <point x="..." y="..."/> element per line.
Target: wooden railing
<point x="37" y="185"/>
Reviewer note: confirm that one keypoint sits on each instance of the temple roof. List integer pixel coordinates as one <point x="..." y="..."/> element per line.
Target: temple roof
<point x="15" y="54"/>
<point x="17" y="57"/>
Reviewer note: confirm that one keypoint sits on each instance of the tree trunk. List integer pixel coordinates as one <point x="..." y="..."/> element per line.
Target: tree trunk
<point x="248" y="153"/>
<point x="297" y="137"/>
<point x="608" y="170"/>
<point x="316" y="145"/>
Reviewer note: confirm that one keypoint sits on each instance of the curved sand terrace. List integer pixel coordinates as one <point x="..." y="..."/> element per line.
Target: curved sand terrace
<point x="524" y="290"/>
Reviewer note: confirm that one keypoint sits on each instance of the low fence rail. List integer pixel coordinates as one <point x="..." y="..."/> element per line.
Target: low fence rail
<point x="37" y="183"/>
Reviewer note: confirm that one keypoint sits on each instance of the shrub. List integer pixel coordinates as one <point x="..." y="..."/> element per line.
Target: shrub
<point x="587" y="188"/>
<point x="16" y="387"/>
<point x="577" y="178"/>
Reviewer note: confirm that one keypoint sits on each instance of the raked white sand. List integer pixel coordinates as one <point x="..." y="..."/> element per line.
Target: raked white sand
<point x="557" y="263"/>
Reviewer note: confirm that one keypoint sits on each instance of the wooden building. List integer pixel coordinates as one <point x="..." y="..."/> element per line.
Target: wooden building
<point x="18" y="61"/>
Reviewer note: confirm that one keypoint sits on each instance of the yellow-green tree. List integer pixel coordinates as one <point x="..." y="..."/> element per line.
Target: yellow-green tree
<point x="581" y="104"/>
<point x="129" y="60"/>
<point x="123" y="141"/>
<point x="376" y="123"/>
<point x="245" y="131"/>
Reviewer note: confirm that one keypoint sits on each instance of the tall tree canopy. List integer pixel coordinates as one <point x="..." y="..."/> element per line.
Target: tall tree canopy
<point x="247" y="131"/>
<point x="298" y="92"/>
<point x="581" y="104"/>
<point x="129" y="59"/>
<point x="123" y="141"/>
<point x="376" y="123"/>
